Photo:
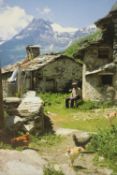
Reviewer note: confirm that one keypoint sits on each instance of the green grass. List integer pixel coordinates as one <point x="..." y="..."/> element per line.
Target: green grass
<point x="47" y="141"/>
<point x="5" y="146"/>
<point x="89" y="116"/>
<point x="39" y="143"/>
<point x="105" y="144"/>
<point x="49" y="170"/>
<point x="82" y="43"/>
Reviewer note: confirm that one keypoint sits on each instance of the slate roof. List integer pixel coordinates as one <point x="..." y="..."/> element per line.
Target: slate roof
<point x="34" y="64"/>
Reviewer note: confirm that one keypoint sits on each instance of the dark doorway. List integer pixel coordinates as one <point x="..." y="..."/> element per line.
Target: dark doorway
<point x="106" y="79"/>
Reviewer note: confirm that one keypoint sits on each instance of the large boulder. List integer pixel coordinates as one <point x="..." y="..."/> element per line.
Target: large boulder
<point x="30" y="106"/>
<point x="27" y="162"/>
<point x="30" y="115"/>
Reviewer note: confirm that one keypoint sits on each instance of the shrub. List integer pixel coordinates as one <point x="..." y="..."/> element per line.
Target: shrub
<point x="89" y="105"/>
<point x="105" y="143"/>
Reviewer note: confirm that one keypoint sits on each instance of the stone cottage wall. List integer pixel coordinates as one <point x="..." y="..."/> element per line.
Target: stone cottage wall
<point x="115" y="53"/>
<point x="115" y="40"/>
<point x="57" y="75"/>
<point x="93" y="89"/>
<point x="91" y="57"/>
<point x="115" y="83"/>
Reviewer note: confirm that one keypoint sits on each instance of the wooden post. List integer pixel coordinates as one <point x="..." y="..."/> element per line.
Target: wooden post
<point x="1" y="103"/>
<point x="19" y="83"/>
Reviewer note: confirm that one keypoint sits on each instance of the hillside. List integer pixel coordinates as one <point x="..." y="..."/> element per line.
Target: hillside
<point x="40" y="32"/>
<point x="82" y="43"/>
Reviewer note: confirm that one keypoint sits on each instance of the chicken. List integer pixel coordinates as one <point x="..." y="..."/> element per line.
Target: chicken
<point x="21" y="140"/>
<point x="73" y="153"/>
<point x="81" y="143"/>
<point x="110" y="116"/>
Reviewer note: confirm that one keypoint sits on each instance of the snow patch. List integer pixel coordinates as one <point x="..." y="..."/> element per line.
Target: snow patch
<point x="60" y="29"/>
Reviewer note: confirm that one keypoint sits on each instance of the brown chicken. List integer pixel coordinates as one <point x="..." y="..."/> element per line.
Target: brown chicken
<point x="21" y="140"/>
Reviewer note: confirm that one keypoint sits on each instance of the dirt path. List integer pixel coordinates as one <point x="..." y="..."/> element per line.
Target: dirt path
<point x="84" y="165"/>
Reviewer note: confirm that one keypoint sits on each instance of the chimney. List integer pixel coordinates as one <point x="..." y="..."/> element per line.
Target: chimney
<point x="32" y="51"/>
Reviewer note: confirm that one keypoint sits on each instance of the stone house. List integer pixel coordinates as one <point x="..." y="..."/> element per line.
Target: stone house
<point x="53" y="73"/>
<point x="99" y="79"/>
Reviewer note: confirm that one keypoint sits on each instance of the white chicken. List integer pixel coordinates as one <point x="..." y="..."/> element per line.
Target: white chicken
<point x="110" y="116"/>
<point x="73" y="153"/>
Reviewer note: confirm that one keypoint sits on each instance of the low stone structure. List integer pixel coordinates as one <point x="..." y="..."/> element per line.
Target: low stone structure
<point x="27" y="116"/>
<point x="11" y="104"/>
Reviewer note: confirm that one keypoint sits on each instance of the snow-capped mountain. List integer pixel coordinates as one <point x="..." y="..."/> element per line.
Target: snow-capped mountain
<point x="50" y="36"/>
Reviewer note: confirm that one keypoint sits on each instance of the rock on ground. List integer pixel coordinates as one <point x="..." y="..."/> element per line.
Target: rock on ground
<point x="27" y="162"/>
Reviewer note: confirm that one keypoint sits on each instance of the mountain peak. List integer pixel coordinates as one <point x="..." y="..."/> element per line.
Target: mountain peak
<point x="52" y="37"/>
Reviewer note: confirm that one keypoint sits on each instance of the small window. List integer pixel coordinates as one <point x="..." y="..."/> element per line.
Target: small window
<point x="106" y="79"/>
<point x="103" y="53"/>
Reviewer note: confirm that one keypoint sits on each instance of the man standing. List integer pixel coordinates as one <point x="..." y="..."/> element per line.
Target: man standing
<point x="76" y="94"/>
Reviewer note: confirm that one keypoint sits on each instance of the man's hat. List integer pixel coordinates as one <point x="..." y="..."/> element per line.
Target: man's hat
<point x="74" y="83"/>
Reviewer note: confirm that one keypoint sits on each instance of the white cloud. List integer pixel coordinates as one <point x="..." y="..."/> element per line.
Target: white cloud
<point x="12" y="20"/>
<point x="58" y="28"/>
<point x="46" y="11"/>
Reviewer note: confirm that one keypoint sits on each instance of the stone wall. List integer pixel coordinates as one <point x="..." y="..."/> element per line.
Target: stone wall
<point x="26" y="114"/>
<point x="92" y="60"/>
<point x="55" y="76"/>
<point x="115" y="83"/>
<point x="115" y="54"/>
<point x="58" y="75"/>
<point x="5" y="83"/>
<point x="115" y="40"/>
<point x="93" y="89"/>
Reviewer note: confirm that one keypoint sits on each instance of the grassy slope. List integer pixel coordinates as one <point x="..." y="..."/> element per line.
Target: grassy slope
<point x="82" y="42"/>
<point x="89" y="116"/>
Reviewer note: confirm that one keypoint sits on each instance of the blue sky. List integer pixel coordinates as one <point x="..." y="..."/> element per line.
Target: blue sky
<point x="16" y="14"/>
<point x="75" y="13"/>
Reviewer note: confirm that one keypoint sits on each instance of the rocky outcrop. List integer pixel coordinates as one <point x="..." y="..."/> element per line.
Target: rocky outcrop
<point x="28" y="116"/>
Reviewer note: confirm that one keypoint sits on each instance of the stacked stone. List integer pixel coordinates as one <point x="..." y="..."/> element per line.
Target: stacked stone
<point x="115" y="40"/>
<point x="30" y="115"/>
<point x="11" y="104"/>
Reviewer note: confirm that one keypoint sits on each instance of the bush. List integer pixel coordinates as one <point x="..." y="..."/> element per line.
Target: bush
<point x="53" y="98"/>
<point x="51" y="171"/>
<point x="105" y="143"/>
<point x="89" y="105"/>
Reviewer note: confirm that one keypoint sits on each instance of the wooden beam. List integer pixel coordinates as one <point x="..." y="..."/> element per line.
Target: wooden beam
<point x="1" y="103"/>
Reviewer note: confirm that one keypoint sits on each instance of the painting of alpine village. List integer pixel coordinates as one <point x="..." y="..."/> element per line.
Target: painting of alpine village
<point x="58" y="87"/>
